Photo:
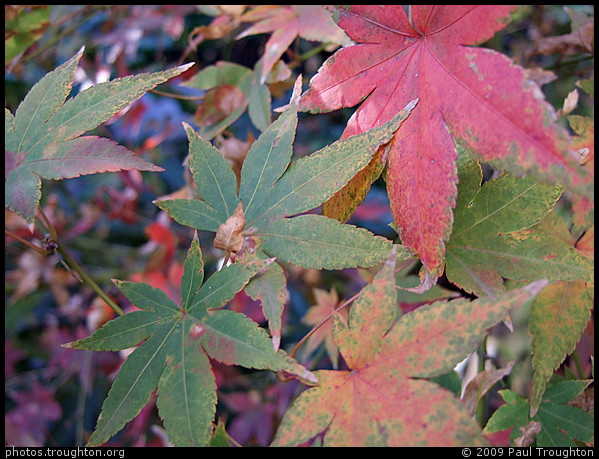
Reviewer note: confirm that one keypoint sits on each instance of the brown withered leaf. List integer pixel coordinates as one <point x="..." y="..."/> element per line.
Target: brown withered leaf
<point x="226" y="20"/>
<point x="229" y="237"/>
<point x="235" y="150"/>
<point x="539" y="75"/>
<point x="528" y="434"/>
<point x="580" y="40"/>
<point x="219" y="102"/>
<point x="482" y="383"/>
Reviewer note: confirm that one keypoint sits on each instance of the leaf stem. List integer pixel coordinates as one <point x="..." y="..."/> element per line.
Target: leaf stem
<point x="51" y="228"/>
<point x="339" y="308"/>
<point x="298" y="58"/>
<point x="84" y="388"/>
<point x="39" y="250"/>
<point x="480" y="406"/>
<point x="578" y="364"/>
<point x="321" y="323"/>
<point x="76" y="267"/>
<point x="175" y="96"/>
<point x="312" y="52"/>
<point x="89" y="281"/>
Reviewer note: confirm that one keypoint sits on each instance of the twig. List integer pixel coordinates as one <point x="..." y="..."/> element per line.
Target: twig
<point x="175" y="96"/>
<point x="339" y="308"/>
<point x="89" y="281"/>
<point x="39" y="250"/>
<point x="321" y="323"/>
<point x="75" y="266"/>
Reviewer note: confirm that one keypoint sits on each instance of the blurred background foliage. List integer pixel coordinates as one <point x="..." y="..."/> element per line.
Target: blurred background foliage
<point x="54" y="395"/>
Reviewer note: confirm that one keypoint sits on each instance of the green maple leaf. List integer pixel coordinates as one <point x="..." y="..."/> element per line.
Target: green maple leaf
<point x="178" y="344"/>
<point x="272" y="192"/>
<point x="560" y="422"/>
<point x="23" y="27"/>
<point x="383" y="399"/>
<point x="44" y="137"/>
<point x="494" y="234"/>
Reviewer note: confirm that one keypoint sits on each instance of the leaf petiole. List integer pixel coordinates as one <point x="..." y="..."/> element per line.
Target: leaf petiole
<point x="83" y="276"/>
<point x="39" y="250"/>
<point x="175" y="96"/>
<point x="321" y="323"/>
<point x="53" y="236"/>
<point x="89" y="281"/>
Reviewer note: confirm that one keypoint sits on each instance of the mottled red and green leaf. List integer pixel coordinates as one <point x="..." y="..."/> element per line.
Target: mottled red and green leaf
<point x="382" y="399"/>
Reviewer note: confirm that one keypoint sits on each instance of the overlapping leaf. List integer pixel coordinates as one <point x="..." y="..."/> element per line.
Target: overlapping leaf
<point x="382" y="399"/>
<point x="43" y="139"/>
<point x="476" y="95"/>
<point x="23" y="26"/>
<point x="493" y="235"/>
<point x="272" y="191"/>
<point x="583" y="207"/>
<point x="175" y="353"/>
<point x="230" y="90"/>
<point x="325" y="303"/>
<point x="558" y="317"/>
<point x="287" y="22"/>
<point x="560" y="422"/>
<point x="505" y="229"/>
<point x="560" y="314"/>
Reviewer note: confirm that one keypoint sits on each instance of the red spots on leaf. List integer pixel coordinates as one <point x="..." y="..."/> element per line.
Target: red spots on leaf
<point x="548" y="257"/>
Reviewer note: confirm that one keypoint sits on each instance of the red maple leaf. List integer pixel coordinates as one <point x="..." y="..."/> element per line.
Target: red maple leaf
<point x="476" y="97"/>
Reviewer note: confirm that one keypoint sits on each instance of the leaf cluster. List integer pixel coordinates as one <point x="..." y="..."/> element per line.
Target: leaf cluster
<point x="435" y="111"/>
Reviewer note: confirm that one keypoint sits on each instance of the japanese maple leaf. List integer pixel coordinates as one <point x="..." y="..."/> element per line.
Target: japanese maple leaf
<point x="561" y="313"/>
<point x="44" y="137"/>
<point x="560" y="420"/>
<point x="477" y="97"/>
<point x="496" y="234"/>
<point x="383" y="398"/>
<point x="178" y="341"/>
<point x="287" y="22"/>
